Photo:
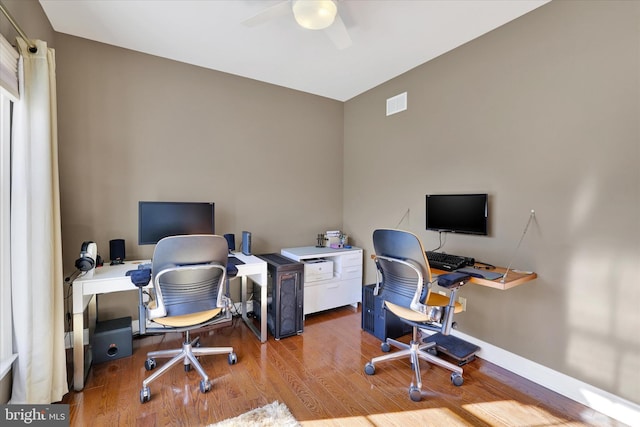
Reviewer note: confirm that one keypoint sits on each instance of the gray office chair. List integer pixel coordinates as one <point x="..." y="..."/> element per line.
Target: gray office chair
<point x="188" y="276"/>
<point x="404" y="283"/>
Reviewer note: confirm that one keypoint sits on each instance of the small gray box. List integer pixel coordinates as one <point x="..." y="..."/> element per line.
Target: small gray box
<point x="112" y="340"/>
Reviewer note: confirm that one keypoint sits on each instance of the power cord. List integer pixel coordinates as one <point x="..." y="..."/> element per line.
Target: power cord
<point x="441" y="243"/>
<point x="68" y="316"/>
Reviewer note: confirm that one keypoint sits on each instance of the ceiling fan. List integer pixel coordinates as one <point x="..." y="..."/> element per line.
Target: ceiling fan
<point x="310" y="14"/>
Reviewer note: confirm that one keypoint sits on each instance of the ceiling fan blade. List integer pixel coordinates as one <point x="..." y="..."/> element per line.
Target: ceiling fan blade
<point x="338" y="33"/>
<point x="277" y="10"/>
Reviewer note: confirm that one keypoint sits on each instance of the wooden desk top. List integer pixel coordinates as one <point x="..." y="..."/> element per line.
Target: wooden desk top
<point x="514" y="278"/>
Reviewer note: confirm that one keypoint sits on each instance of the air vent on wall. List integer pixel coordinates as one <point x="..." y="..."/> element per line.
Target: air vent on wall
<point x="397" y="104"/>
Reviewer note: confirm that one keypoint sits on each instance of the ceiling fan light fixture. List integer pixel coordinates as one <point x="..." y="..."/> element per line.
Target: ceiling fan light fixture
<point x="314" y="14"/>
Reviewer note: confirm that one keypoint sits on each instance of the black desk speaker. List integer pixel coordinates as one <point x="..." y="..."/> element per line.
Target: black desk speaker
<point x="116" y="250"/>
<point x="231" y="241"/>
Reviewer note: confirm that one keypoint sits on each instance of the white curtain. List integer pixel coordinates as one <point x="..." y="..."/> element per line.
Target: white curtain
<point x="39" y="374"/>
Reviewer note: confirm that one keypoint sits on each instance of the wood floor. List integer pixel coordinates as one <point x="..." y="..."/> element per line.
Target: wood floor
<point x="319" y="375"/>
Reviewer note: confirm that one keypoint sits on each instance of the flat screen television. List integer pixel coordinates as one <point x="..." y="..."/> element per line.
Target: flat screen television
<point x="157" y="220"/>
<point x="457" y="213"/>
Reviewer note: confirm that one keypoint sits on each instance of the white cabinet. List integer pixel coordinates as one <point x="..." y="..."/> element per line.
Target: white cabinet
<point x="344" y="287"/>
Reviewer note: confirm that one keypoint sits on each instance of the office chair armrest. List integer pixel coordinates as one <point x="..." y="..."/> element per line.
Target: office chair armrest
<point x="453" y="280"/>
<point x="140" y="277"/>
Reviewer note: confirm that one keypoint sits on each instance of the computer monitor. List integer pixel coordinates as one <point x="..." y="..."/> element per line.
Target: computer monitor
<point x="157" y="220"/>
<point x="457" y="213"/>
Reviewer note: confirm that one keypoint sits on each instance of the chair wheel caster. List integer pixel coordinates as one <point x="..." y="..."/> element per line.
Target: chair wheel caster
<point x="232" y="359"/>
<point x="456" y="379"/>
<point x="432" y="351"/>
<point x="149" y="364"/>
<point x="187" y="367"/>
<point x="369" y="369"/>
<point x="205" y="386"/>
<point x="145" y="394"/>
<point x="415" y="394"/>
<point x="385" y="347"/>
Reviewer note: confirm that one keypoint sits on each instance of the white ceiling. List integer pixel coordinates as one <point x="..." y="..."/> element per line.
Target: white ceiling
<point x="389" y="37"/>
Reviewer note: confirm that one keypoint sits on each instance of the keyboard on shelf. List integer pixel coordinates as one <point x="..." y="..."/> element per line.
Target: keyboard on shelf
<point x="447" y="262"/>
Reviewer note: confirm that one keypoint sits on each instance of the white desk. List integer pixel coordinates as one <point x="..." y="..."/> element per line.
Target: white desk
<point x="113" y="278"/>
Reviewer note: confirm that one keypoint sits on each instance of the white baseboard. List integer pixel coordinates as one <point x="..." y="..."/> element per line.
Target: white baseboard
<point x="599" y="400"/>
<point x="237" y="306"/>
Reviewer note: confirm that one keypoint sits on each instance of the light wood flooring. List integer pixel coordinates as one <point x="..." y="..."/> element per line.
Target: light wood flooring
<point x="320" y="376"/>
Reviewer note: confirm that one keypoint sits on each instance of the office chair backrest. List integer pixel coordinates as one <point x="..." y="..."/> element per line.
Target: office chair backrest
<point x="189" y="273"/>
<point x="399" y="280"/>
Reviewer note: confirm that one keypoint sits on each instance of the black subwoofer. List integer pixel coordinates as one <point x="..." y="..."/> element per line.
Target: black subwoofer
<point x="111" y="340"/>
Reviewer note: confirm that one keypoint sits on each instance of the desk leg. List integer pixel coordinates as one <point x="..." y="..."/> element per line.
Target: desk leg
<point x="262" y="333"/>
<point x="263" y="312"/>
<point x="78" y="351"/>
<point x="243" y="292"/>
<point x="82" y="361"/>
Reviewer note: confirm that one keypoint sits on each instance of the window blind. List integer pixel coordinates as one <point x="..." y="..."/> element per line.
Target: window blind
<point x="9" y="68"/>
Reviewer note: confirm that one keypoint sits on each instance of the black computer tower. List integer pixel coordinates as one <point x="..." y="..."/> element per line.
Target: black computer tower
<point x="380" y="322"/>
<point x="285" y="301"/>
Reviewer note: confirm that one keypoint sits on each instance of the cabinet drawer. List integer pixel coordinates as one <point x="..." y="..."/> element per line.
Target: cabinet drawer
<point x="317" y="269"/>
<point x="330" y="295"/>
<point x="350" y="272"/>
<point x="347" y="260"/>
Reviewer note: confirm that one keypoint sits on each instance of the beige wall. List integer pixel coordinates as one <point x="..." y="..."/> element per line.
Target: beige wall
<point x="137" y="127"/>
<point x="542" y="114"/>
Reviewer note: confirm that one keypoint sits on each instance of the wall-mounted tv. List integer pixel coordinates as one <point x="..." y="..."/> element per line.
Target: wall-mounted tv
<point x="157" y="220"/>
<point x="457" y="213"/>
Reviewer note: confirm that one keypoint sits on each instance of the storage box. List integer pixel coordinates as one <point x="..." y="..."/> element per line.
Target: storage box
<point x="317" y="269"/>
<point x="332" y="239"/>
<point x="112" y="340"/>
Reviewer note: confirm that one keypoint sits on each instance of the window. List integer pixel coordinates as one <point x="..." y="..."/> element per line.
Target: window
<point x="6" y="345"/>
<point x="8" y="95"/>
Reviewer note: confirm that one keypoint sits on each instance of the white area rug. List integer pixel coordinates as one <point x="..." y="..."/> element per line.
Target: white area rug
<point x="272" y="415"/>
